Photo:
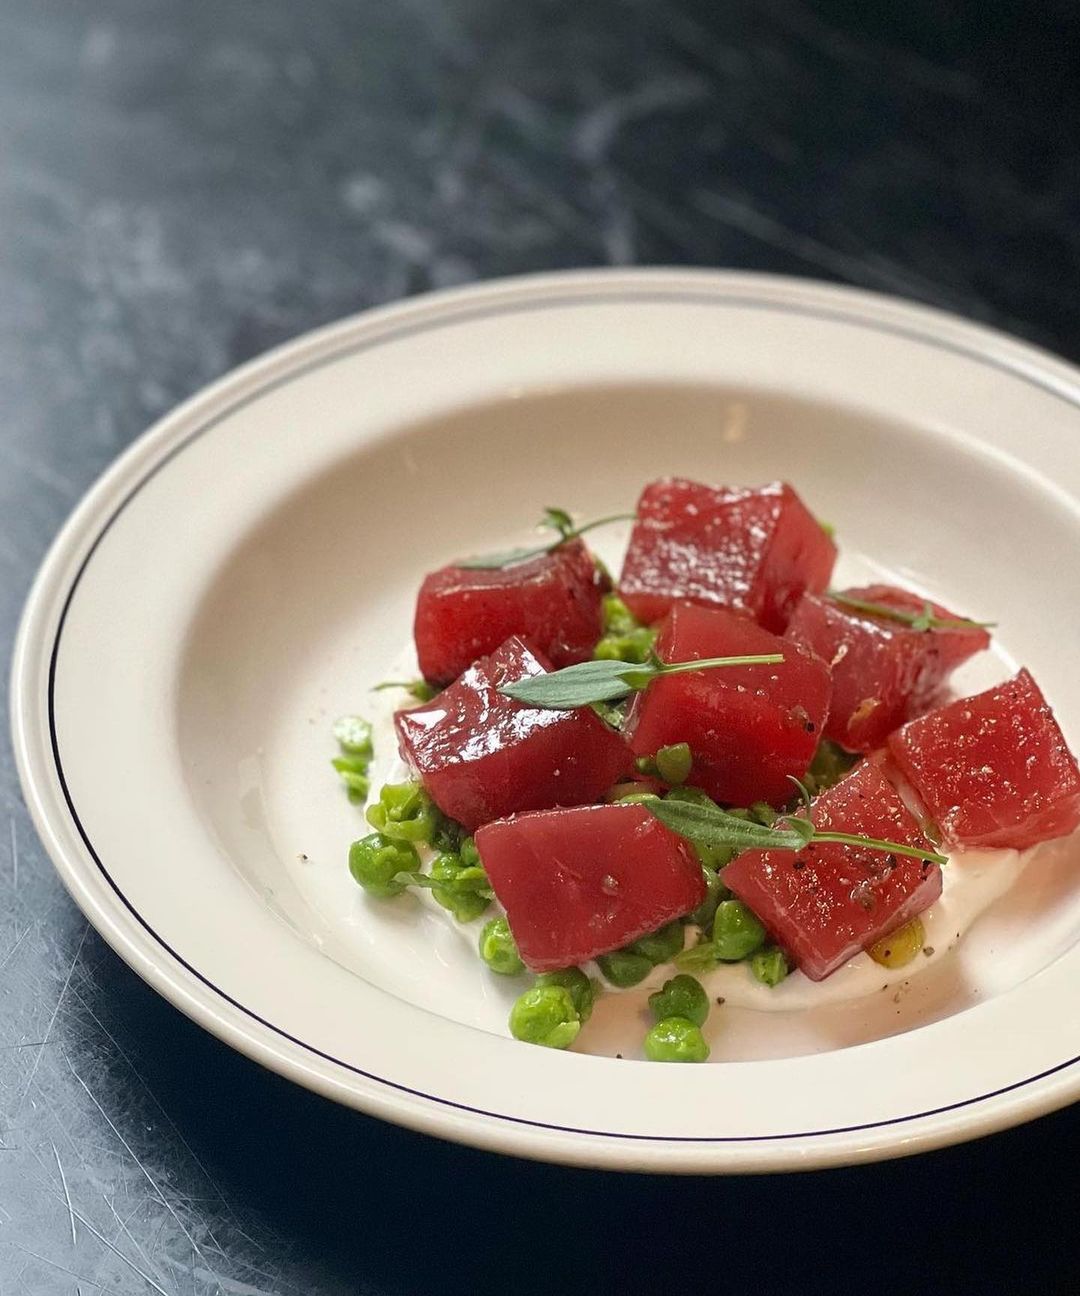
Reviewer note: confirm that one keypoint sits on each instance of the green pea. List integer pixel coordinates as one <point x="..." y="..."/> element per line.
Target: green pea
<point x="624" y="968"/>
<point x="374" y="861"/>
<point x="674" y="763"/>
<point x="470" y="856"/>
<point x="618" y="619"/>
<point x="353" y="771"/>
<point x="763" y="813"/>
<point x="448" y="834"/>
<point x="675" y="1039"/>
<point x="612" y="716"/>
<point x="692" y="796"/>
<point x="636" y="797"/>
<point x="469" y="896"/>
<point x="701" y="957"/>
<point x="405" y="812"/>
<point x="736" y="931"/>
<point x="715" y="857"/>
<point x="354" y="736"/>
<point x="498" y="948"/>
<point x="634" y="647"/>
<point x="581" y="989"/>
<point x="660" y="946"/>
<point x="715" y="891"/>
<point x="829" y="766"/>
<point x="624" y="638"/>
<point x="682" y="996"/>
<point x="545" y="1015"/>
<point x="769" y="965"/>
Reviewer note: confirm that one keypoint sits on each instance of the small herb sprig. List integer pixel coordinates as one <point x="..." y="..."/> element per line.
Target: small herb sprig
<point x="610" y="681"/>
<point x="555" y="519"/>
<point x="417" y="688"/>
<point x="354" y="737"/>
<point x="927" y="619"/>
<point x="709" y="826"/>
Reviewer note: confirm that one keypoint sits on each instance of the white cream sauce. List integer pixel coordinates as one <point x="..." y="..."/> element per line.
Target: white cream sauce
<point x="971" y="882"/>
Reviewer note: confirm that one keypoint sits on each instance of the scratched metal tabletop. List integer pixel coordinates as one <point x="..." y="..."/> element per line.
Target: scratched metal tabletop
<point x="185" y="184"/>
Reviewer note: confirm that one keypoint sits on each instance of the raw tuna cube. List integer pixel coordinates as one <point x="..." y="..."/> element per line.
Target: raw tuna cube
<point x="577" y="883"/>
<point x="754" y="551"/>
<point x="994" y="769"/>
<point x="748" y="727"/>
<point x="825" y="903"/>
<point x="553" y="602"/>
<point x="883" y="672"/>
<point x="482" y="755"/>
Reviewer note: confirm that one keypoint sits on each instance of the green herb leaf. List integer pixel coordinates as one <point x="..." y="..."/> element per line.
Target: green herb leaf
<point x="927" y="619"/>
<point x="555" y="519"/>
<point x="878" y="844"/>
<point x="712" y="827"/>
<point x="575" y="686"/>
<point x="418" y="688"/>
<point x="505" y="557"/>
<point x="560" y="520"/>
<point x="611" y="681"/>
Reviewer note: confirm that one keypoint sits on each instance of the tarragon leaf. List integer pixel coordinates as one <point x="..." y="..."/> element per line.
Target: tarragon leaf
<point x="611" y="681"/>
<point x="555" y="519"/>
<point x="927" y="619"/>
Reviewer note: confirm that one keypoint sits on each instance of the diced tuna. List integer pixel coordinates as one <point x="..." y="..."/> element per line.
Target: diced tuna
<point x="754" y="551"/>
<point x="883" y="672"/>
<point x="749" y="727"/>
<point x="482" y="756"/>
<point x="578" y="883"/>
<point x="553" y="601"/>
<point x="827" y="902"/>
<point x="993" y="769"/>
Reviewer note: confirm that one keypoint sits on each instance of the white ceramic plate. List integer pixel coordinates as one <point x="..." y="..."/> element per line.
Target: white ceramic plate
<point x="246" y="571"/>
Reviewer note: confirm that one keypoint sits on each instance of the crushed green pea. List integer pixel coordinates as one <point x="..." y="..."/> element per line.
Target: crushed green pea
<point x="498" y="948"/>
<point x="405" y="812"/>
<point x="375" y="861"/>
<point x="545" y="1015"/>
<point x="676" y="1039"/>
<point x="769" y="965"/>
<point x="681" y="996"/>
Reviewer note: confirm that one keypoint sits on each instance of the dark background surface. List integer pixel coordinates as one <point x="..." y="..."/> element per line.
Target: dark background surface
<point x="184" y="184"/>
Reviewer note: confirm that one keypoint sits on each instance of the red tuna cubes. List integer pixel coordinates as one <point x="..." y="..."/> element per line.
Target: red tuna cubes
<point x="827" y="902"/>
<point x="482" y="755"/>
<point x="754" y="551"/>
<point x="994" y="769"/>
<point x="749" y="727"/>
<point x="553" y="601"/>
<point x="883" y="672"/>
<point x="577" y="883"/>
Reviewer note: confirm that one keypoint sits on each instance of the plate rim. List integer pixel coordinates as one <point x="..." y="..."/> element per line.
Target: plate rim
<point x="153" y="450"/>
